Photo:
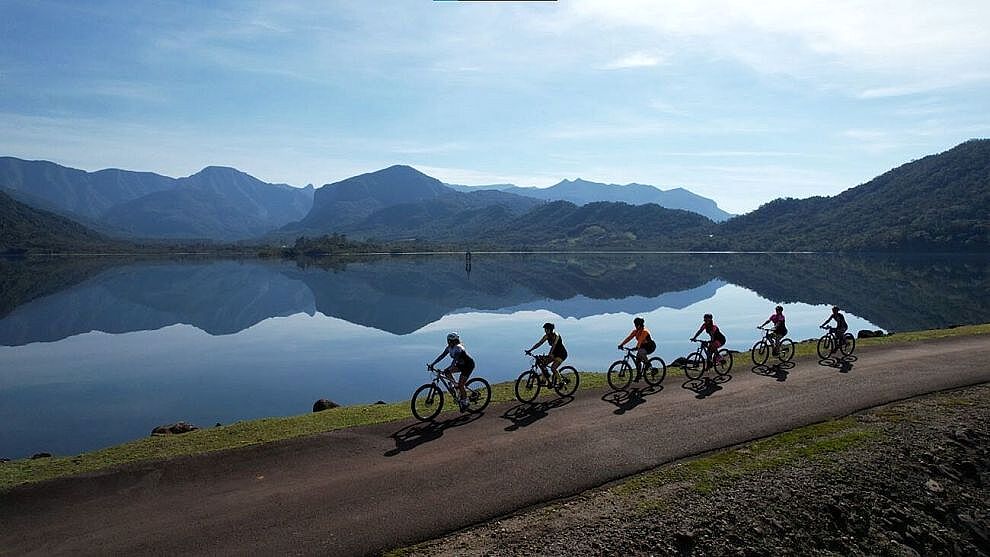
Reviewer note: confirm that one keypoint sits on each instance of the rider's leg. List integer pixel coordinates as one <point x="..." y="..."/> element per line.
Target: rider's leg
<point x="715" y="345"/>
<point x="642" y="357"/>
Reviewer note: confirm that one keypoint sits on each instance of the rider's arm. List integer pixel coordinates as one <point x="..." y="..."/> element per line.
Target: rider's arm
<point x="695" y="335"/>
<point x="632" y="334"/>
<point x="764" y="323"/>
<point x="442" y="355"/>
<point x="830" y="317"/>
<point x="535" y="346"/>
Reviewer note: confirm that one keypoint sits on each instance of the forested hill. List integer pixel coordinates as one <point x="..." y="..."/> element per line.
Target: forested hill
<point x="937" y="203"/>
<point x="24" y="228"/>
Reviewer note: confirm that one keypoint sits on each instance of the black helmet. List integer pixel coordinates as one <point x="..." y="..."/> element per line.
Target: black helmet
<point x="548" y="326"/>
<point x="638" y="321"/>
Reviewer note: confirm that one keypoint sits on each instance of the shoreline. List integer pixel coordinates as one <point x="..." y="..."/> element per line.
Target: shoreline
<point x="275" y="429"/>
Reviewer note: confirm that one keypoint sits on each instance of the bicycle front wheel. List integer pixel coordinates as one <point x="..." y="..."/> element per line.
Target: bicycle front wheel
<point x="848" y="345"/>
<point x="656" y="372"/>
<point x="427" y="402"/>
<point x="786" y="350"/>
<point x="479" y="394"/>
<point x="528" y="386"/>
<point x="619" y="375"/>
<point x="723" y="362"/>
<point x="760" y="352"/>
<point x="568" y="380"/>
<point x="694" y="365"/>
<point x="825" y="346"/>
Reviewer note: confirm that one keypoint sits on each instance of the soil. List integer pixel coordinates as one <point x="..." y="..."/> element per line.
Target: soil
<point x="913" y="479"/>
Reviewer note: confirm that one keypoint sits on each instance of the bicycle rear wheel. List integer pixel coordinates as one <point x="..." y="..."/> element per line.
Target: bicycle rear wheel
<point x="427" y="402"/>
<point x="723" y="363"/>
<point x="694" y="365"/>
<point x="760" y="352"/>
<point x="656" y="372"/>
<point x="479" y="394"/>
<point x="849" y="345"/>
<point x="528" y="386"/>
<point x="786" y="350"/>
<point x="619" y="375"/>
<point x="568" y="380"/>
<point x="825" y="346"/>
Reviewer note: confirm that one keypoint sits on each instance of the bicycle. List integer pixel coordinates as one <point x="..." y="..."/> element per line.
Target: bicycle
<point x="783" y="348"/>
<point x="565" y="380"/>
<point x="620" y="373"/>
<point x="427" y="401"/>
<point x="696" y="363"/>
<point x="827" y="344"/>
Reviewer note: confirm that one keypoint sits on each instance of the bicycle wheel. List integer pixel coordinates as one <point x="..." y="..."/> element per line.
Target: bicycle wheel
<point x="760" y="352"/>
<point x="724" y="362"/>
<point x="825" y="346"/>
<point x="619" y="375"/>
<point x="568" y="380"/>
<point x="528" y="386"/>
<point x="479" y="394"/>
<point x="786" y="350"/>
<point x="427" y="402"/>
<point x="657" y="371"/>
<point x="849" y="345"/>
<point x="694" y="365"/>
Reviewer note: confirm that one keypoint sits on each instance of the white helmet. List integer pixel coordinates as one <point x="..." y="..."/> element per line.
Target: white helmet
<point x="453" y="337"/>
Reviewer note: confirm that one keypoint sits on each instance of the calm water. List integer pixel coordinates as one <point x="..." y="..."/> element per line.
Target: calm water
<point x="95" y="352"/>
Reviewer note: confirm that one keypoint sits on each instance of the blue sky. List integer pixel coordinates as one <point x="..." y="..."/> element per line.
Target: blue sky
<point x="738" y="101"/>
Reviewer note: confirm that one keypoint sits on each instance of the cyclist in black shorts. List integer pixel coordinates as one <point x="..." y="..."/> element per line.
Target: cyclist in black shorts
<point x="557" y="351"/>
<point x="840" y="326"/>
<point x="461" y="362"/>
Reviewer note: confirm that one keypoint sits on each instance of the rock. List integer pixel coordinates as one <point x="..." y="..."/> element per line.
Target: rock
<point x="381" y="402"/>
<point x="933" y="486"/>
<point x="864" y="333"/>
<point x="41" y="455"/>
<point x="174" y="429"/>
<point x="2" y="460"/>
<point x="324" y="404"/>
<point x="218" y="424"/>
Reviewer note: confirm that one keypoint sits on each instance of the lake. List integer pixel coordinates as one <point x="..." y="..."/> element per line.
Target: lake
<point x="98" y="351"/>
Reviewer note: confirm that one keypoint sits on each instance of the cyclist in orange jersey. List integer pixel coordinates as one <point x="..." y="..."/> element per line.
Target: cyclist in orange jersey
<point x="645" y="344"/>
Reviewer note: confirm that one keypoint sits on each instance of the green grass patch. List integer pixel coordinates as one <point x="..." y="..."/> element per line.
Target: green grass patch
<point x="721" y="469"/>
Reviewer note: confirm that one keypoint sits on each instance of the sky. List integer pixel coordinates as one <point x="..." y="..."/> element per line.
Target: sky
<point x="742" y="102"/>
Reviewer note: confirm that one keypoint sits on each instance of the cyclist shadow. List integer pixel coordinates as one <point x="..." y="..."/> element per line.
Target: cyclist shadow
<point x="778" y="371"/>
<point x="706" y="386"/>
<point x="842" y="363"/>
<point x="626" y="400"/>
<point x="416" y="434"/>
<point x="522" y="415"/>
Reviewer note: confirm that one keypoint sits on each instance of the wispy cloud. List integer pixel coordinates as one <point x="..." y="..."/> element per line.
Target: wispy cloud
<point x="635" y="60"/>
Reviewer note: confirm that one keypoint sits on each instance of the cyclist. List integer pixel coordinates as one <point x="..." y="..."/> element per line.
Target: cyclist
<point x="557" y="353"/>
<point x="779" y="327"/>
<point x="717" y="338"/>
<point x="644" y="343"/>
<point x="840" y="326"/>
<point x="461" y="362"/>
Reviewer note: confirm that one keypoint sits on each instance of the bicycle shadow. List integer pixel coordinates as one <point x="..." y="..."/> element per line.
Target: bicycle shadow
<point x="626" y="400"/>
<point x="842" y="363"/>
<point x="705" y="386"/>
<point x="414" y="435"/>
<point x="778" y="371"/>
<point x="523" y="415"/>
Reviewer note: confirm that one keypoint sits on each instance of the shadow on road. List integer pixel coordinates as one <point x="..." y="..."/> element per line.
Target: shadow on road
<point x="414" y="435"/>
<point x="522" y="415"/>
<point x="706" y="386"/>
<point x="842" y="363"/>
<point x="626" y="400"/>
<point x="778" y="371"/>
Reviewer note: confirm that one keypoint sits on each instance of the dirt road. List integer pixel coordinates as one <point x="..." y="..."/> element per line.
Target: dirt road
<point x="368" y="489"/>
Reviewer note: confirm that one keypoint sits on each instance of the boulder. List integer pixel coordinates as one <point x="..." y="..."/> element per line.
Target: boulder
<point x="41" y="455"/>
<point x="174" y="429"/>
<point x="381" y="402"/>
<point x="865" y="333"/>
<point x="2" y="460"/>
<point x="324" y="404"/>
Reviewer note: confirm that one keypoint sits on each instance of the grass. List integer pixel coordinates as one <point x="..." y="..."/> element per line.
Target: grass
<point x="267" y="430"/>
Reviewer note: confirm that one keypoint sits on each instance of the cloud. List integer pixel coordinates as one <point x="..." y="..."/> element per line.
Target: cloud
<point x="634" y="60"/>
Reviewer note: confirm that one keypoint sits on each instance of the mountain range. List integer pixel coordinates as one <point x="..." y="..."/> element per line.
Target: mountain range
<point x="937" y="203"/>
<point x="582" y="192"/>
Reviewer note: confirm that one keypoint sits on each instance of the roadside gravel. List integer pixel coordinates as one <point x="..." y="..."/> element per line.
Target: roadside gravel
<point x="910" y="478"/>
